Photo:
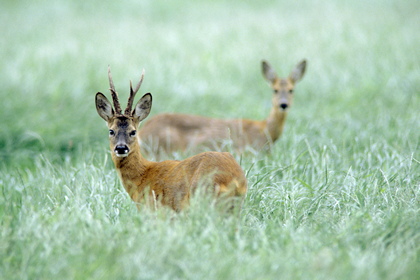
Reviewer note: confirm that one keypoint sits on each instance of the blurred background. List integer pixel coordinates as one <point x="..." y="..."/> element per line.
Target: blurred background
<point x="336" y="198"/>
<point x="203" y="57"/>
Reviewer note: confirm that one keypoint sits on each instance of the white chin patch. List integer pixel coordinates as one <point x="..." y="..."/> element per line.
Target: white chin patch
<point x="121" y="155"/>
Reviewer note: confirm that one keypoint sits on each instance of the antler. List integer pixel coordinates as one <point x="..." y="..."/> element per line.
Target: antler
<point x="133" y="94"/>
<point x="114" y="93"/>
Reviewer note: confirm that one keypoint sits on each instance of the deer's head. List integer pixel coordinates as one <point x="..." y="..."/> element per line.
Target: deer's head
<point x="283" y="87"/>
<point x="123" y="126"/>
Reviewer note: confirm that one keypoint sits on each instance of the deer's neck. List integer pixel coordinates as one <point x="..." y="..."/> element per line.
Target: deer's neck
<point x="132" y="172"/>
<point x="275" y="123"/>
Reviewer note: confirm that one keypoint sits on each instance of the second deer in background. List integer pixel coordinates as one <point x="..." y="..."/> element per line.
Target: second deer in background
<point x="179" y="132"/>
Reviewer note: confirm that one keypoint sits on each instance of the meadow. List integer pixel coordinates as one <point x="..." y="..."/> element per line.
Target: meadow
<point x="337" y="197"/>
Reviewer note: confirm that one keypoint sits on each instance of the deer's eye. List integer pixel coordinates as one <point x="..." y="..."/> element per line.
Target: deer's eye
<point x="111" y="132"/>
<point x="290" y="91"/>
<point x="276" y="91"/>
<point x="133" y="133"/>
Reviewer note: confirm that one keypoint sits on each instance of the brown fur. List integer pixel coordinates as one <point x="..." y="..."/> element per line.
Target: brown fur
<point x="170" y="183"/>
<point x="174" y="132"/>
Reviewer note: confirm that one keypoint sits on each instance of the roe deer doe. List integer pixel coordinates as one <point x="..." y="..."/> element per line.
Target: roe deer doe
<point x="172" y="132"/>
<point x="171" y="182"/>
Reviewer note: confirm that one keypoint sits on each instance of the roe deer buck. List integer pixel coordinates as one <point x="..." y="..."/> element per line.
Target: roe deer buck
<point x="171" y="132"/>
<point x="171" y="182"/>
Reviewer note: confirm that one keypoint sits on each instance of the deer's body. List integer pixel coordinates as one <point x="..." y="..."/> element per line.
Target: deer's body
<point x="169" y="183"/>
<point x="190" y="132"/>
<point x="172" y="132"/>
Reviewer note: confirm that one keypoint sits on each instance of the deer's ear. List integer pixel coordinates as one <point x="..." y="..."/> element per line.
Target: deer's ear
<point x="142" y="109"/>
<point x="298" y="72"/>
<point x="104" y="107"/>
<point x="268" y="72"/>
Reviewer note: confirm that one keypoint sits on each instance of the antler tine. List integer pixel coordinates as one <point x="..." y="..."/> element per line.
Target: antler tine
<point x="113" y="93"/>
<point x="133" y="94"/>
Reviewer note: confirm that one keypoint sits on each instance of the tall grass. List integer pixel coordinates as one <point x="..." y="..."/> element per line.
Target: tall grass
<point x="337" y="198"/>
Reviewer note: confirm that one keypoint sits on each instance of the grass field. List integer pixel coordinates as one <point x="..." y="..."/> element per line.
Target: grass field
<point x="337" y="198"/>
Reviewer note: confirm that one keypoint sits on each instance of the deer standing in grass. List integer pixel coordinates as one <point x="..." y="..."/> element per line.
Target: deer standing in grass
<point x="172" y="132"/>
<point x="171" y="182"/>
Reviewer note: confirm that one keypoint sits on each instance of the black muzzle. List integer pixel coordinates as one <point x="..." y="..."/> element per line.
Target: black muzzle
<point x="121" y="150"/>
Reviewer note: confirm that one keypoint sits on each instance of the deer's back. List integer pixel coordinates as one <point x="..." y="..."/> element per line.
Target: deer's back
<point x="172" y="132"/>
<point x="173" y="182"/>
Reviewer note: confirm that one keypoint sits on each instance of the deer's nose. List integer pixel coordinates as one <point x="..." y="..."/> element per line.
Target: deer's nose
<point x="283" y="106"/>
<point x="121" y="150"/>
